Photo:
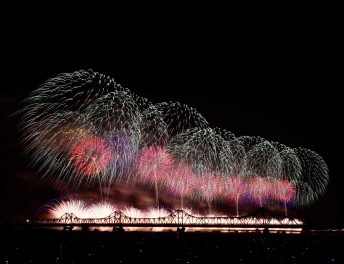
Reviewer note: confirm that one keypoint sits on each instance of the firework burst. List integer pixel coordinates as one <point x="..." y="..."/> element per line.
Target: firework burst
<point x="238" y="151"/>
<point x="154" y="129"/>
<point x="84" y="125"/>
<point x="203" y="150"/>
<point x="264" y="160"/>
<point x="283" y="190"/>
<point x="154" y="166"/>
<point x="133" y="212"/>
<point x="259" y="189"/>
<point x="68" y="205"/>
<point x="156" y="213"/>
<point x="209" y="188"/>
<point x="101" y="210"/>
<point x="90" y="156"/>
<point x="72" y="106"/>
<point x="314" y="176"/>
<point x="234" y="188"/>
<point x="182" y="182"/>
<point x="179" y="117"/>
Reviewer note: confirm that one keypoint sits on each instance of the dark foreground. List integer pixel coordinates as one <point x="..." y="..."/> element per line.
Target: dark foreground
<point x="49" y="246"/>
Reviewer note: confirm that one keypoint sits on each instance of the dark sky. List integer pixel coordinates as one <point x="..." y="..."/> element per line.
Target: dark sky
<point x="277" y="82"/>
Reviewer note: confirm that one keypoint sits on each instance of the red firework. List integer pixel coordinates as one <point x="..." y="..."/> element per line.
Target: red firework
<point x="234" y="188"/>
<point x="154" y="166"/>
<point x="182" y="181"/>
<point x="284" y="191"/>
<point x="210" y="187"/>
<point x="259" y="189"/>
<point x="90" y="156"/>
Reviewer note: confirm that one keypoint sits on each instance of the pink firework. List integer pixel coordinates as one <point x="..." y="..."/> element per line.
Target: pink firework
<point x="133" y="212"/>
<point x="156" y="213"/>
<point x="101" y="210"/>
<point x="284" y="191"/>
<point x="70" y="206"/>
<point x="181" y="182"/>
<point x="210" y="187"/>
<point x="90" y="156"/>
<point x="154" y="166"/>
<point x="259" y="189"/>
<point x="234" y="188"/>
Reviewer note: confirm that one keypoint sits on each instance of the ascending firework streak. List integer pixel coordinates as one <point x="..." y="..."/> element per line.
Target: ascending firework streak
<point x="283" y="191"/>
<point x="84" y="126"/>
<point x="234" y="188"/>
<point x="182" y="182"/>
<point x="259" y="189"/>
<point x="154" y="166"/>
<point x="210" y="188"/>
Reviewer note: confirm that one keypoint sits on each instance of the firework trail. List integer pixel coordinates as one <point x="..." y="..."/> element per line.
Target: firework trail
<point x="314" y="179"/>
<point x="179" y="117"/>
<point x="154" y="166"/>
<point x="283" y="190"/>
<point x="234" y="188"/>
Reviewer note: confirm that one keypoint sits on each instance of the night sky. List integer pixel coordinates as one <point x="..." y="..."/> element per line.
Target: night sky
<point x="275" y="83"/>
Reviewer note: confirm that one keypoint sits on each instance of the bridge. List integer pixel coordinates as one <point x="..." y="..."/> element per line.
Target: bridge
<point x="177" y="218"/>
